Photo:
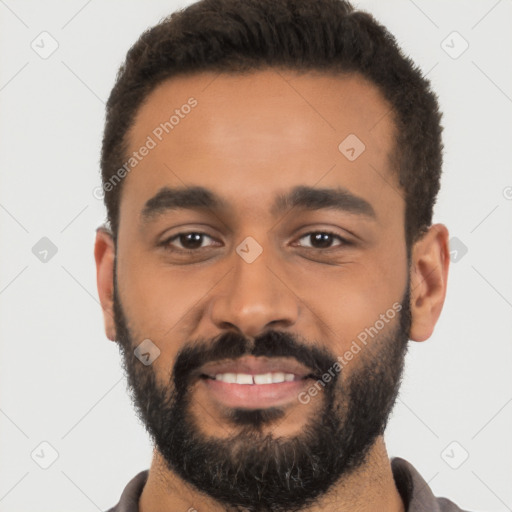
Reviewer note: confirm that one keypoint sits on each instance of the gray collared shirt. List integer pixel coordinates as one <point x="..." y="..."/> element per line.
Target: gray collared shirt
<point x="415" y="492"/>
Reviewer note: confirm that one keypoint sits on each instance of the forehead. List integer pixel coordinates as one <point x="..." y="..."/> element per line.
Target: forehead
<point x="245" y="134"/>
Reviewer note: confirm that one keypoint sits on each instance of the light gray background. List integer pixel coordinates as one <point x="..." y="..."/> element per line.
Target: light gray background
<point x="60" y="378"/>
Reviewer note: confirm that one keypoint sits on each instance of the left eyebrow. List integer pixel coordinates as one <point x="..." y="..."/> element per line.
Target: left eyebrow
<point x="309" y="198"/>
<point x="302" y="197"/>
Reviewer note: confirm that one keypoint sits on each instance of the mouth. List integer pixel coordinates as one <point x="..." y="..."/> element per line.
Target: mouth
<point x="255" y="382"/>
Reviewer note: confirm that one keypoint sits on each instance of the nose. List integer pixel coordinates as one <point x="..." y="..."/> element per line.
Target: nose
<point x="253" y="298"/>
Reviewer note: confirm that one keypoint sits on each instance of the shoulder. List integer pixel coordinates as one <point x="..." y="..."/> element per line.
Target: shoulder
<point x="129" y="501"/>
<point x="415" y="491"/>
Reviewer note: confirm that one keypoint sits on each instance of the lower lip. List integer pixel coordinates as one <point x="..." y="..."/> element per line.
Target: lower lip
<point x="255" y="396"/>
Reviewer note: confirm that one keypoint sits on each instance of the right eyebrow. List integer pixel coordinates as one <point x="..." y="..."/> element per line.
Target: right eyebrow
<point x="180" y="198"/>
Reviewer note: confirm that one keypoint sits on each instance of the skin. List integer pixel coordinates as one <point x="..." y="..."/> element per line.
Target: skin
<point x="249" y="138"/>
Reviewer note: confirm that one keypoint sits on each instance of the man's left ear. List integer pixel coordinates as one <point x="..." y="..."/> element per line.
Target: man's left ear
<point x="429" y="275"/>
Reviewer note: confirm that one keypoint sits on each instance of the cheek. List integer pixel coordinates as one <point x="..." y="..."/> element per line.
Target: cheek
<point x="164" y="304"/>
<point x="161" y="297"/>
<point x="345" y="300"/>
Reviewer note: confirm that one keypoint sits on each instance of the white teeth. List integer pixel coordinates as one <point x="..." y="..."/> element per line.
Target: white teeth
<point x="227" y="377"/>
<point x="264" y="378"/>
<point x="277" y="377"/>
<point x="243" y="378"/>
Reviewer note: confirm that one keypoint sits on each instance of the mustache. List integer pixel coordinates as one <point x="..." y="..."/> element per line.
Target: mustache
<point x="231" y="345"/>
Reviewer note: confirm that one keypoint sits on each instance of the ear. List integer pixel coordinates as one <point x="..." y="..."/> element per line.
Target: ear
<point x="429" y="275"/>
<point x="104" y="254"/>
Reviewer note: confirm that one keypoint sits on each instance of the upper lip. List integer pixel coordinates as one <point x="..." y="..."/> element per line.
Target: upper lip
<point x="252" y="365"/>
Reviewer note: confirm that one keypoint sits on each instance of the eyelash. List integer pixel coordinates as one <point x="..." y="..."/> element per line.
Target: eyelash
<point x="166" y="243"/>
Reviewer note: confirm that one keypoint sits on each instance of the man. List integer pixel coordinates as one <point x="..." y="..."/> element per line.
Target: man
<point x="270" y="169"/>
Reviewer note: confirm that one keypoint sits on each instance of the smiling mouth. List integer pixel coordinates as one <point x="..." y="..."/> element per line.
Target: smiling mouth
<point x="252" y="382"/>
<point x="257" y="370"/>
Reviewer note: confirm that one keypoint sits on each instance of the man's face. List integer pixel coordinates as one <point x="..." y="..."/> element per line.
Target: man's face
<point x="276" y="289"/>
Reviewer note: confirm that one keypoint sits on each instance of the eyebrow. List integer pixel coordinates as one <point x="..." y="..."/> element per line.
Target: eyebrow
<point x="302" y="197"/>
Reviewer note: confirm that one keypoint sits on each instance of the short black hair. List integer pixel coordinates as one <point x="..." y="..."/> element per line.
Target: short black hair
<point x="235" y="36"/>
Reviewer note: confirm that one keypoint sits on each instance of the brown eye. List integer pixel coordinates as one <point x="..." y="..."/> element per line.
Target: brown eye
<point x="322" y="240"/>
<point x="187" y="241"/>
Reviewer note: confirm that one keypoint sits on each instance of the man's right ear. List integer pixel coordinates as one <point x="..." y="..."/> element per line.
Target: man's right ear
<point x="104" y="254"/>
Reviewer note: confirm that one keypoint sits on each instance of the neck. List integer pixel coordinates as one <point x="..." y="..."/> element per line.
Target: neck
<point x="369" y="488"/>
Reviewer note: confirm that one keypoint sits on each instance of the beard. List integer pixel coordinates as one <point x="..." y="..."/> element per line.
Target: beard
<point x="254" y="471"/>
